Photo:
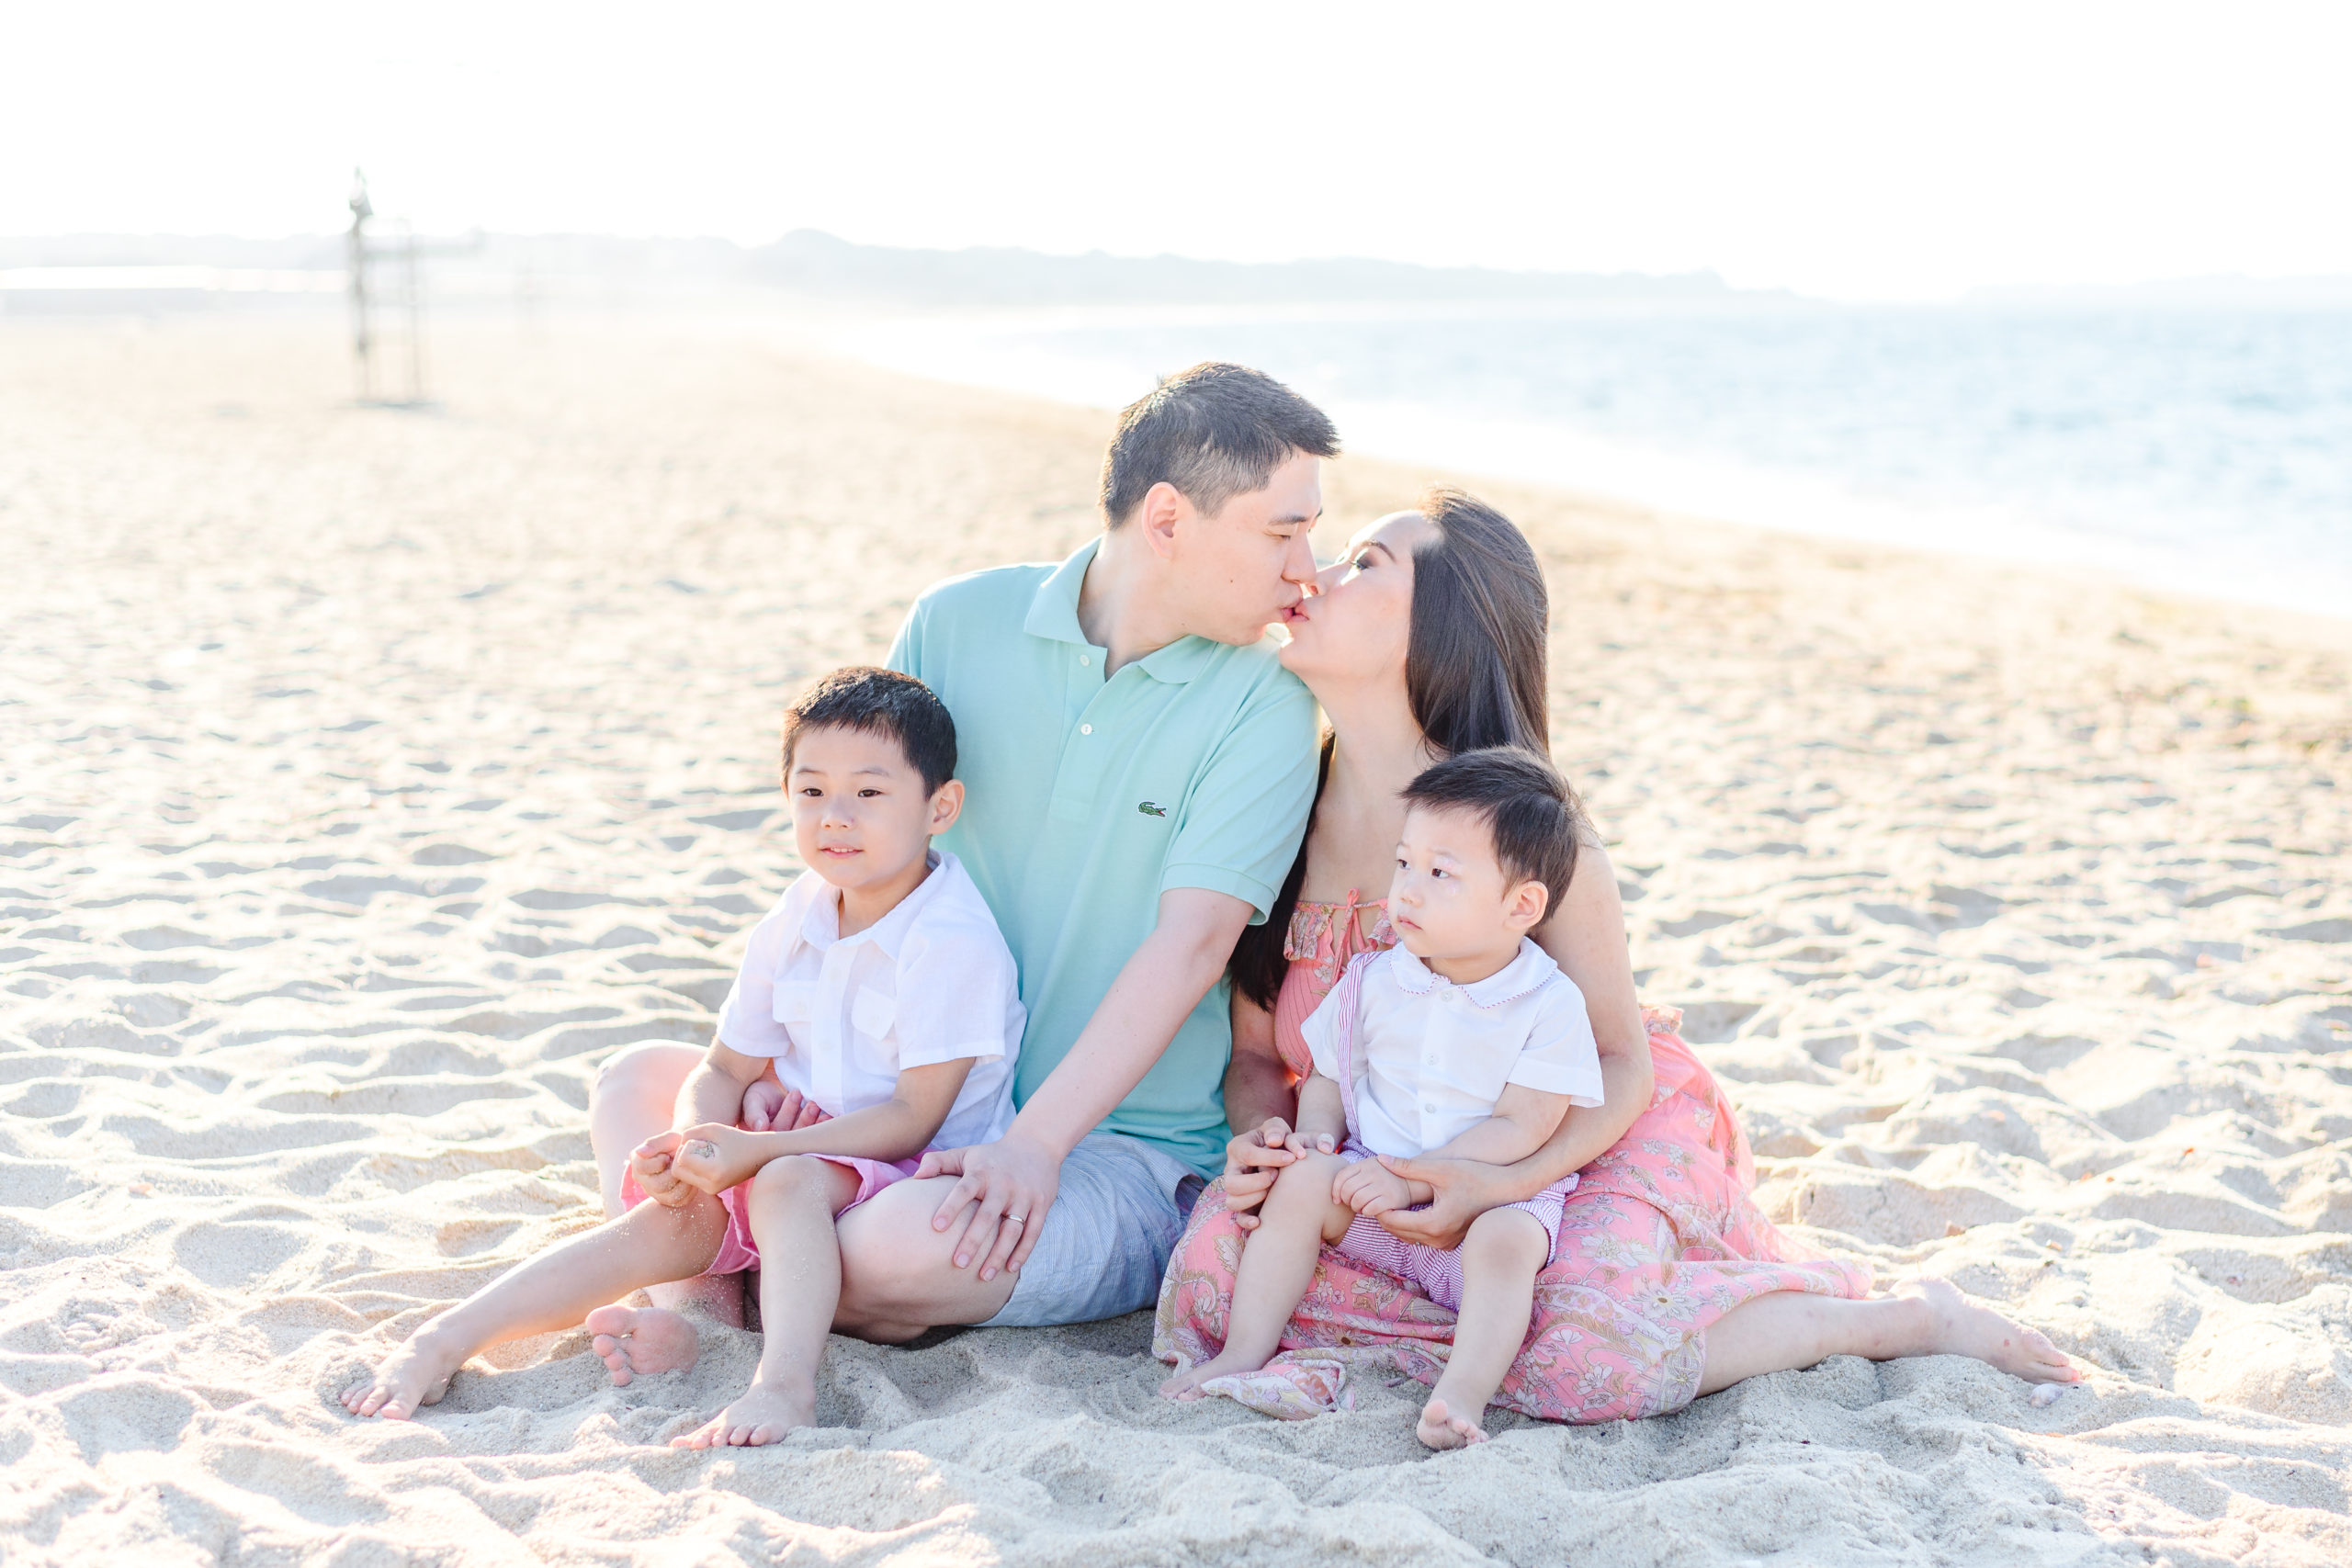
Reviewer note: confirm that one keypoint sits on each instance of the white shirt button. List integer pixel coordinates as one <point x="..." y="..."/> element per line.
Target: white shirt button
<point x="1086" y="729"/>
<point x="1085" y="662"/>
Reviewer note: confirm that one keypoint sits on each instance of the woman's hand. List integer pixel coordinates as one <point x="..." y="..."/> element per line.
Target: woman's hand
<point x="1460" y="1190"/>
<point x="1252" y="1160"/>
<point x="1006" y="1189"/>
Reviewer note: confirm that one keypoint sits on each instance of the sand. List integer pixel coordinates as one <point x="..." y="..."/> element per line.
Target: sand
<point x="369" y="775"/>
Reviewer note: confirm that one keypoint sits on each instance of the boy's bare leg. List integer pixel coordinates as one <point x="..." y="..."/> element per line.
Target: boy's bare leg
<point x="1501" y="1257"/>
<point x="635" y="1096"/>
<point x="1793" y="1328"/>
<point x="647" y="1246"/>
<point x="791" y="1207"/>
<point x="1277" y="1263"/>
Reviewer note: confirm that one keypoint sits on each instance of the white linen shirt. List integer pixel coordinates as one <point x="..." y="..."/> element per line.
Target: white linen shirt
<point x="929" y="982"/>
<point x="1433" y="1057"/>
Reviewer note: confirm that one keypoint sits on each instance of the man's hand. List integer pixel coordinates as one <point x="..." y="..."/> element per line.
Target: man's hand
<point x="1001" y="1201"/>
<point x="1460" y="1190"/>
<point x="1371" y="1189"/>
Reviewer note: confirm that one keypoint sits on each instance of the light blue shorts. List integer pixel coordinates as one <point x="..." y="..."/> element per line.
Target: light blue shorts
<point x="1108" y="1237"/>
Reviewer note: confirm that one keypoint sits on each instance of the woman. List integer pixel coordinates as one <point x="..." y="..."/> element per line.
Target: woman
<point x="1428" y="638"/>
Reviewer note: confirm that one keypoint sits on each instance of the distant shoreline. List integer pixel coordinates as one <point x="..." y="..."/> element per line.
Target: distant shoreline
<point x="1010" y="350"/>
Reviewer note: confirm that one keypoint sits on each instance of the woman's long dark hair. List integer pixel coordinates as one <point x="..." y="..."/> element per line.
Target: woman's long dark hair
<point x="1474" y="674"/>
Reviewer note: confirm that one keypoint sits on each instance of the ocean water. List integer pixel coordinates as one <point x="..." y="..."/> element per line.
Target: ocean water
<point x="2200" y="449"/>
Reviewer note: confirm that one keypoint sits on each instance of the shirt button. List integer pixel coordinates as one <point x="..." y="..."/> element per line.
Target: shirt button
<point x="1086" y="729"/>
<point x="1085" y="662"/>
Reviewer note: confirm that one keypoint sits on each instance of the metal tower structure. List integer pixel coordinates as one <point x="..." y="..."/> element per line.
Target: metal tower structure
<point x="388" y="304"/>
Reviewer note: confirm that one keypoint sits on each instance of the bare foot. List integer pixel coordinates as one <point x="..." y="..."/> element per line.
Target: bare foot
<point x="1439" y="1429"/>
<point x="416" y="1374"/>
<point x="1962" y="1328"/>
<point x="638" y="1342"/>
<point x="763" y="1414"/>
<point x="1186" y="1386"/>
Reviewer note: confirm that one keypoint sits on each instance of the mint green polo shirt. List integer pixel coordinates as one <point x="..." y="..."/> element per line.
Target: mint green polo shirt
<point x="1085" y="799"/>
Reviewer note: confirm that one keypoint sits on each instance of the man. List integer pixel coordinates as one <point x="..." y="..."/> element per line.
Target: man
<point x="1138" y="771"/>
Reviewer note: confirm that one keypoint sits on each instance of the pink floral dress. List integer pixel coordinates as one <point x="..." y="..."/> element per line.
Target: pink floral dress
<point x="1660" y="1238"/>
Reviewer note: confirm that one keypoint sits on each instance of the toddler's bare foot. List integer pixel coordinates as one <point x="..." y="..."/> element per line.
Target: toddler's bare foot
<point x="416" y="1373"/>
<point x="763" y="1414"/>
<point x="1962" y="1328"/>
<point x="1439" y="1429"/>
<point x="1186" y="1386"/>
<point x="638" y="1342"/>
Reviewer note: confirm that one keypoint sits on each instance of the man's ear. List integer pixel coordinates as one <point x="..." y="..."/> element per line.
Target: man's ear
<point x="1163" y="507"/>
<point x="946" y="805"/>
<point x="1527" y="905"/>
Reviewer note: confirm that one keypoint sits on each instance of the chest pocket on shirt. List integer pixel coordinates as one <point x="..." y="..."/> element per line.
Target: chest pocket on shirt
<point x="871" y="1013"/>
<point x="795" y="1004"/>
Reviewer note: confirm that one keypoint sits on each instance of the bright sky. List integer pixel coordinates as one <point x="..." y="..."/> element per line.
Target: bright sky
<point x="1857" y="151"/>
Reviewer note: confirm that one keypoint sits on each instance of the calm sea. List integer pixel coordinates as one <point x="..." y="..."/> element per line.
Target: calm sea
<point x="2200" y="449"/>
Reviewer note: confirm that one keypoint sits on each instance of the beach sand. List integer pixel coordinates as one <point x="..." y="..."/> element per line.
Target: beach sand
<point x="370" y="775"/>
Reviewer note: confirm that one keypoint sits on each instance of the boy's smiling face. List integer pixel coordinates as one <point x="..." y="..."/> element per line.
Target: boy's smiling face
<point x="861" y="816"/>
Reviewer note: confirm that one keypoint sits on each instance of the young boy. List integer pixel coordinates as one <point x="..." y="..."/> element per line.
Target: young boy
<point x="1463" y="1041"/>
<point x="878" y="990"/>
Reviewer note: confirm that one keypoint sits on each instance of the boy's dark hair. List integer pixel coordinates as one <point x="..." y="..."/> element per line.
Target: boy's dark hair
<point x="878" y="702"/>
<point x="1527" y="806"/>
<point x="1214" y="431"/>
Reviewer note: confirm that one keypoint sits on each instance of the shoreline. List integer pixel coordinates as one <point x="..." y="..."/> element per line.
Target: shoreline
<point x="374" y="775"/>
<point x="995" y="351"/>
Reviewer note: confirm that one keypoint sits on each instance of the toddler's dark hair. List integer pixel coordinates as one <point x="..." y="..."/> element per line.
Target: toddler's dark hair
<point x="1527" y="806"/>
<point x="878" y="702"/>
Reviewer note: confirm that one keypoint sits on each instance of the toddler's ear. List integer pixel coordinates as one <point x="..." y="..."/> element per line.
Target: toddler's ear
<point x="1526" y="905"/>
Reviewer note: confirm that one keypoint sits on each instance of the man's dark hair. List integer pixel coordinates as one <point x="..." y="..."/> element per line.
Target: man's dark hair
<point x="1527" y="806"/>
<point x="1214" y="431"/>
<point x="878" y="702"/>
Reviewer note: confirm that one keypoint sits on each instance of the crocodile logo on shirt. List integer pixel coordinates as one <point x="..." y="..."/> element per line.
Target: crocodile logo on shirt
<point x="1150" y="808"/>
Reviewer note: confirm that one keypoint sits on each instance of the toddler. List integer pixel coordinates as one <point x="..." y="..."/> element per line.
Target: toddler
<point x="1463" y="1041"/>
<point x="878" y="991"/>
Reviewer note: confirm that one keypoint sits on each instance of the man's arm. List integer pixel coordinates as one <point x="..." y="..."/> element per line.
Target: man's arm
<point x="1161" y="983"/>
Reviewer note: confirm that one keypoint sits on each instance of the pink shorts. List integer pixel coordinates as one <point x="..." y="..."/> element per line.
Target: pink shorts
<point x="1439" y="1274"/>
<point x="737" y="1250"/>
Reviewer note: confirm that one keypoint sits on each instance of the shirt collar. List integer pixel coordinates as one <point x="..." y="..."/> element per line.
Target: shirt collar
<point x="821" y="928"/>
<point x="1053" y="610"/>
<point x="1527" y="972"/>
<point x="1053" y="615"/>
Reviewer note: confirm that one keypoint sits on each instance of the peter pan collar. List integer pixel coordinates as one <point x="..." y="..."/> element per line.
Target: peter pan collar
<point x="1527" y="973"/>
<point x="821" y="928"/>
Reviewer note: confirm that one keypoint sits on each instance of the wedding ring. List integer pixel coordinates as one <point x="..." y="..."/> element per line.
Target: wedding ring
<point x="1016" y="1219"/>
